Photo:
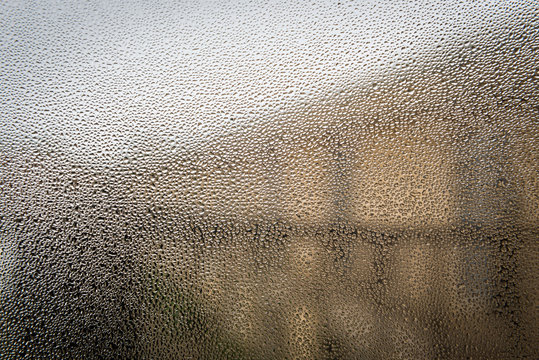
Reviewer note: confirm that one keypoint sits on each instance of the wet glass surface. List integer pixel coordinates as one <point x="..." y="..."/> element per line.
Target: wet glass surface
<point x="250" y="180"/>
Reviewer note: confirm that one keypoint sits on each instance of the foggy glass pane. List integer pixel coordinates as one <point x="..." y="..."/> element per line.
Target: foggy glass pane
<point x="269" y="180"/>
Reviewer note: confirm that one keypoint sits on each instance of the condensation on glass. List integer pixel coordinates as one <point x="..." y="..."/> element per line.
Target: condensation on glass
<point x="269" y="180"/>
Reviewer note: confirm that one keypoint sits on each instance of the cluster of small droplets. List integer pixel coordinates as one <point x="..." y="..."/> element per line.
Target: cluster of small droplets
<point x="269" y="180"/>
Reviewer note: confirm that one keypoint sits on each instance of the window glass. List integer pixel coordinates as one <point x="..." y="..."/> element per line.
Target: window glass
<point x="269" y="180"/>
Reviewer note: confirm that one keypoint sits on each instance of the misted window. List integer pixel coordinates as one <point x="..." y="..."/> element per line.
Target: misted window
<point x="269" y="180"/>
